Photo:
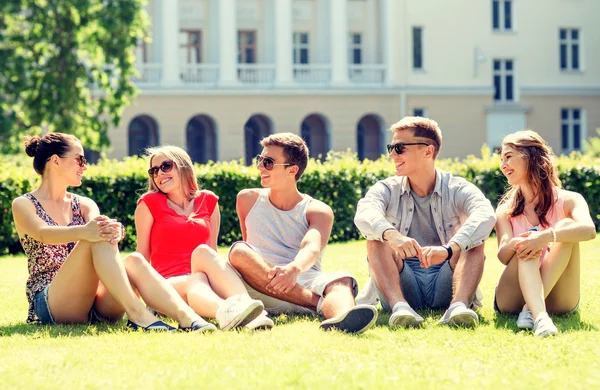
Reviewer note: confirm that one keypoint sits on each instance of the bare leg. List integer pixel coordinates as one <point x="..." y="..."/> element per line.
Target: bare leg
<point x="338" y="298"/>
<point x="385" y="268"/>
<point x="467" y="274"/>
<point x="73" y="291"/>
<point x="508" y="293"/>
<point x="559" y="276"/>
<point x="157" y="292"/>
<point x="254" y="270"/>
<point x="201" y="297"/>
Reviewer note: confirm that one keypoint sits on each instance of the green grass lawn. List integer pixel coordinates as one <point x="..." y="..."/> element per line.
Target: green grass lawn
<point x="296" y="354"/>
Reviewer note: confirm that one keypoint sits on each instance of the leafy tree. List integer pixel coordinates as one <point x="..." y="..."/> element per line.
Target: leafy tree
<point x="66" y="65"/>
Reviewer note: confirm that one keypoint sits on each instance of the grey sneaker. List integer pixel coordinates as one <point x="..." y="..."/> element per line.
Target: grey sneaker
<point x="405" y="317"/>
<point x="460" y="316"/>
<point x="525" y="320"/>
<point x="356" y="320"/>
<point x="544" y="327"/>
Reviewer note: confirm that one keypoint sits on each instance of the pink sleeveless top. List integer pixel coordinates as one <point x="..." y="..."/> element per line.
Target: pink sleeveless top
<point x="520" y="224"/>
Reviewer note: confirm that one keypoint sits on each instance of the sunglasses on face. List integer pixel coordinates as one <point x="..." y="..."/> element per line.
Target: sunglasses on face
<point x="80" y="158"/>
<point x="165" y="166"/>
<point x="400" y="146"/>
<point x="267" y="162"/>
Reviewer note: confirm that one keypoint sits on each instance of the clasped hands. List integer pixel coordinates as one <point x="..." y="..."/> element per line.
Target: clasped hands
<point x="407" y="247"/>
<point x="103" y="228"/>
<point x="529" y="245"/>
<point x="282" y="278"/>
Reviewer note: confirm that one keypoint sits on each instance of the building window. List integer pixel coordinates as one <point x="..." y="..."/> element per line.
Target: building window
<point x="571" y="128"/>
<point x="141" y="52"/>
<point x="420" y="112"/>
<point x="502" y="15"/>
<point x="417" y="38"/>
<point x="246" y="47"/>
<point x="301" y="48"/>
<point x="504" y="77"/>
<point x="190" y="46"/>
<point x="355" y="47"/>
<point x="570" y="46"/>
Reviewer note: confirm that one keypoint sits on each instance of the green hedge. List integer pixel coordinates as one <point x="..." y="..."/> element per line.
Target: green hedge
<point x="340" y="181"/>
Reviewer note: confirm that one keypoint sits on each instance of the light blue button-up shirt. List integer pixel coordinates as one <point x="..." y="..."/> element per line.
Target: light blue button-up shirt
<point x="461" y="212"/>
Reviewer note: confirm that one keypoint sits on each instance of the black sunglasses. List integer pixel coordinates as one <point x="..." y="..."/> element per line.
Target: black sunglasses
<point x="267" y="162"/>
<point x="400" y="146"/>
<point x="80" y="158"/>
<point x="165" y="166"/>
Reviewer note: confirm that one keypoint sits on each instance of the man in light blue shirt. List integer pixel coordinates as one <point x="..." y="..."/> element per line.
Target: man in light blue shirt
<point x="425" y="231"/>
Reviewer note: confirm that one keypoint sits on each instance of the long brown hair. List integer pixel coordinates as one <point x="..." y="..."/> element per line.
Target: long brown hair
<point x="542" y="174"/>
<point x="183" y="164"/>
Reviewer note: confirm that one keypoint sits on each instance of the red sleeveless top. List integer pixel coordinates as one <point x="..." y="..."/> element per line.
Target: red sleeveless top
<point x="174" y="237"/>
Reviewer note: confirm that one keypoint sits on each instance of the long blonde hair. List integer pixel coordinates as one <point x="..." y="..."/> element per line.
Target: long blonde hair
<point x="183" y="164"/>
<point x="541" y="172"/>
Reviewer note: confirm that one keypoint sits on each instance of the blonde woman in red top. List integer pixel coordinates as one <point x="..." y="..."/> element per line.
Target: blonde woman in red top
<point x="539" y="226"/>
<point x="177" y="229"/>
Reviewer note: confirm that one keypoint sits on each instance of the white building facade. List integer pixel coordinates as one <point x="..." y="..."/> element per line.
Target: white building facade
<point x="218" y="75"/>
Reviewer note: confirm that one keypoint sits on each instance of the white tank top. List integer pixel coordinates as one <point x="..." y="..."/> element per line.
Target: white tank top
<point x="277" y="234"/>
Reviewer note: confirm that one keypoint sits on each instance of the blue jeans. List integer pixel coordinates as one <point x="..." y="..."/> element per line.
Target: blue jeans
<point x="42" y="309"/>
<point x="424" y="287"/>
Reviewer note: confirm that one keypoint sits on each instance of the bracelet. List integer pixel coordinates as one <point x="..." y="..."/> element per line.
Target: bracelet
<point x="123" y="231"/>
<point x="553" y="235"/>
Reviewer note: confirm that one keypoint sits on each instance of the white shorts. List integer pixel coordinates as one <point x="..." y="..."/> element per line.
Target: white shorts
<point x="313" y="280"/>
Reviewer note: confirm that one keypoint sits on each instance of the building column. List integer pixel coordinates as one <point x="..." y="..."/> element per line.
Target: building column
<point x="389" y="19"/>
<point x="339" y="42"/>
<point x="170" y="42"/>
<point x="228" y="42"/>
<point x="283" y="42"/>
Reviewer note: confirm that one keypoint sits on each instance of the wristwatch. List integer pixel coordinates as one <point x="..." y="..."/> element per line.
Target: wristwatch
<point x="449" y="249"/>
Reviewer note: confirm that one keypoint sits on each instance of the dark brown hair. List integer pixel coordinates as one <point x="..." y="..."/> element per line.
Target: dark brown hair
<point x="542" y="174"/>
<point x="423" y="128"/>
<point x="294" y="149"/>
<point x="42" y="148"/>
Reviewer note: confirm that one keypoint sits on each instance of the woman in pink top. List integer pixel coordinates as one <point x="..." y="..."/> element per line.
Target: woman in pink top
<point x="539" y="227"/>
<point x="177" y="229"/>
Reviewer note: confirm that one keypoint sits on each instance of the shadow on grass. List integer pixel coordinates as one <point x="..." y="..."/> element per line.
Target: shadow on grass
<point x="53" y="331"/>
<point x="564" y="323"/>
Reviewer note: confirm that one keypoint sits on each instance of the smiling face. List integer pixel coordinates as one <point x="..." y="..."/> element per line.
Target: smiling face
<point x="166" y="182"/>
<point x="67" y="166"/>
<point x="413" y="159"/>
<point x="513" y="165"/>
<point x="281" y="175"/>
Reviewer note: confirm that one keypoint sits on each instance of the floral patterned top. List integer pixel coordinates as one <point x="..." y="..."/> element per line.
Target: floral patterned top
<point x="44" y="261"/>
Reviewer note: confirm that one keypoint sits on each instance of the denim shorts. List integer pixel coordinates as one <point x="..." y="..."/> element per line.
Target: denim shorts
<point x="42" y="309"/>
<point x="424" y="287"/>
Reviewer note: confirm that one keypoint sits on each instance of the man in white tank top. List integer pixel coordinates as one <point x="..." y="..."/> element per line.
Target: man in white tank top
<point x="285" y="233"/>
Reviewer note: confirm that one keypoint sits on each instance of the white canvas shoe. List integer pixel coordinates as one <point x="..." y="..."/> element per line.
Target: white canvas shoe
<point x="237" y="312"/>
<point x="525" y="320"/>
<point x="543" y="326"/>
<point x="262" y="322"/>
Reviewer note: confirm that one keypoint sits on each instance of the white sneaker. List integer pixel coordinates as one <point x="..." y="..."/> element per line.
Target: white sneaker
<point x="404" y="317"/>
<point x="460" y="315"/>
<point x="525" y="320"/>
<point x="543" y="326"/>
<point x="368" y="295"/>
<point x="262" y="322"/>
<point x="238" y="311"/>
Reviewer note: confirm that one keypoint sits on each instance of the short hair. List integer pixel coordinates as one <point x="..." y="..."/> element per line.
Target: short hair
<point x="294" y="149"/>
<point x="423" y="128"/>
<point x="42" y="148"/>
<point x="183" y="164"/>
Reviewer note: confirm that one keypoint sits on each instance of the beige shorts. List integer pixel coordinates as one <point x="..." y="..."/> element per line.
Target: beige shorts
<point x="313" y="280"/>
